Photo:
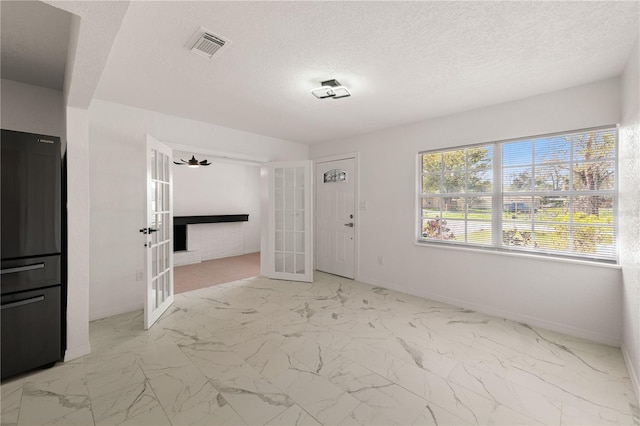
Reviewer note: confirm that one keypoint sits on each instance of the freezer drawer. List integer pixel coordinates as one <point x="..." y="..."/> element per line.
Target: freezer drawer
<point x="28" y="274"/>
<point x="30" y="330"/>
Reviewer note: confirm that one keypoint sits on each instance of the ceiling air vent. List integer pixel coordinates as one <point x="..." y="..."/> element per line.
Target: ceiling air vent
<point x="206" y="44"/>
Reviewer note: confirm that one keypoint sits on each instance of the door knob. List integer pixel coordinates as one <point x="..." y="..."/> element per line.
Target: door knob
<point x="350" y="224"/>
<point x="148" y="230"/>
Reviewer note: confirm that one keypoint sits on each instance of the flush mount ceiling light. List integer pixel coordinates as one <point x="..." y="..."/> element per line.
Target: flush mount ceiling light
<point x="193" y="162"/>
<point x="331" y="89"/>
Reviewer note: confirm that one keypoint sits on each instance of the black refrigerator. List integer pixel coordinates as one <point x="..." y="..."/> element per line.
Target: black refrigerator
<point x="32" y="252"/>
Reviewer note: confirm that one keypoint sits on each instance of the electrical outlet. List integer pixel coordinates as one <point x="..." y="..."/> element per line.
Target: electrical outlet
<point x="380" y="260"/>
<point x="139" y="276"/>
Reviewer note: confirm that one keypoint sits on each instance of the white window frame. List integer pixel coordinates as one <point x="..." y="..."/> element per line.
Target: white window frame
<point x="498" y="194"/>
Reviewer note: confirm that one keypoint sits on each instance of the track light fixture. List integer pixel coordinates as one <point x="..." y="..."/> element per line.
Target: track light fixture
<point x="331" y="89"/>
<point x="193" y="162"/>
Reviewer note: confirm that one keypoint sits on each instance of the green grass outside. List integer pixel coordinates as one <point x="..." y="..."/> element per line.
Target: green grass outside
<point x="557" y="239"/>
<point x="543" y="215"/>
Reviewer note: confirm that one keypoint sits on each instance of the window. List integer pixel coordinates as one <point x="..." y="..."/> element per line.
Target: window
<point x="553" y="195"/>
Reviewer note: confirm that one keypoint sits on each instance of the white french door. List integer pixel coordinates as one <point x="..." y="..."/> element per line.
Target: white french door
<point x="158" y="231"/>
<point x="335" y="217"/>
<point x="289" y="245"/>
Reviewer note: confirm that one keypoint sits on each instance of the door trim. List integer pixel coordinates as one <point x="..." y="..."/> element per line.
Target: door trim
<point x="356" y="201"/>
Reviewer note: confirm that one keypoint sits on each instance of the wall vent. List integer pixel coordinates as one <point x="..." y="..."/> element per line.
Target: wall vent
<point x="205" y="43"/>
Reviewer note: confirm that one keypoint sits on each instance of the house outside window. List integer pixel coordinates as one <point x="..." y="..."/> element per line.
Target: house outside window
<point x="552" y="195"/>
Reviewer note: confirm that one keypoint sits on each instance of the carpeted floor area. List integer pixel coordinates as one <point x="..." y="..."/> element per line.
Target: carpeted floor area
<point x="214" y="272"/>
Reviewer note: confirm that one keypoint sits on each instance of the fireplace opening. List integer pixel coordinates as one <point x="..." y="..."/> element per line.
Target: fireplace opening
<point x="180" y="226"/>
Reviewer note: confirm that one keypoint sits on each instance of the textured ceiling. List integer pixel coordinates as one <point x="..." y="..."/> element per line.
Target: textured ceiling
<point x="35" y="37"/>
<point x="93" y="31"/>
<point x="403" y="61"/>
<point x="62" y="45"/>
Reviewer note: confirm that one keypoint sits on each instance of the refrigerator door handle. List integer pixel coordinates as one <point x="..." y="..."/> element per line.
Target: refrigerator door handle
<point x="22" y="302"/>
<point x="22" y="268"/>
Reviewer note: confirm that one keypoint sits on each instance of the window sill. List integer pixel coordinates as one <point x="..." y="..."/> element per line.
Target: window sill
<point x="517" y="254"/>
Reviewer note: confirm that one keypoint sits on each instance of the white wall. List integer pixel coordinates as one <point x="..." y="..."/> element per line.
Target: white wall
<point x="117" y="158"/>
<point x="78" y="233"/>
<point x="577" y="298"/>
<point x="32" y="109"/>
<point x="214" y="241"/>
<point x="630" y="215"/>
<point x="222" y="188"/>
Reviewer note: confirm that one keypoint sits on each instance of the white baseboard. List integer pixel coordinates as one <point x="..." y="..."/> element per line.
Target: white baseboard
<point x="115" y="311"/>
<point x="77" y="352"/>
<point x="537" y="322"/>
<point x="634" y="373"/>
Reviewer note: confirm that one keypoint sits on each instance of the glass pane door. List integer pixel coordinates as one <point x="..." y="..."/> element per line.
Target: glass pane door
<point x="159" y="253"/>
<point x="290" y="255"/>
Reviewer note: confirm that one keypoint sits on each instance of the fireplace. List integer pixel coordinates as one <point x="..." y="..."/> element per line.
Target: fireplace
<point x="180" y="224"/>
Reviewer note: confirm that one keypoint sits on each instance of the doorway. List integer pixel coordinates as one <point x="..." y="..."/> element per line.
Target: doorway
<point x="217" y="209"/>
<point x="336" y="217"/>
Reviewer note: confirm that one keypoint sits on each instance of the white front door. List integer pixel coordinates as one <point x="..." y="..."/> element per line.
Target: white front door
<point x="335" y="219"/>
<point x="158" y="231"/>
<point x="289" y="227"/>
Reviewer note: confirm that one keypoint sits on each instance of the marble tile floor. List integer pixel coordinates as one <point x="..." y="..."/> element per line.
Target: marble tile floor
<point x="335" y="352"/>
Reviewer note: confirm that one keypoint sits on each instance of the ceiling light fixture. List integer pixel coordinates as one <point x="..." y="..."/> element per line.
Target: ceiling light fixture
<point x="331" y="89"/>
<point x="193" y="162"/>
